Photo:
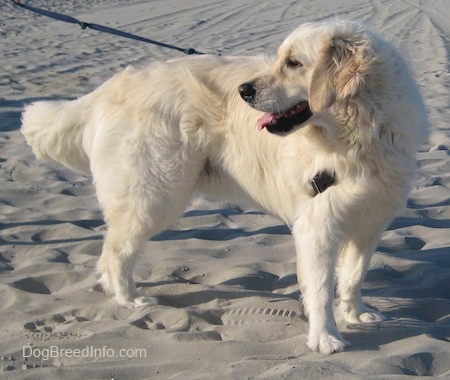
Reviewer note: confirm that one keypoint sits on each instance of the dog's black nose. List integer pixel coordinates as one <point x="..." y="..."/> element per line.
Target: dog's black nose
<point x="247" y="91"/>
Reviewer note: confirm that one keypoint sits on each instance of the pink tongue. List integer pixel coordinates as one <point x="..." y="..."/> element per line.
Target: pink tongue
<point x="264" y="120"/>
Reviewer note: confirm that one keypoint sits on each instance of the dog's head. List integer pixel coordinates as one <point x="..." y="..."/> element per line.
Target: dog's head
<point x="317" y="65"/>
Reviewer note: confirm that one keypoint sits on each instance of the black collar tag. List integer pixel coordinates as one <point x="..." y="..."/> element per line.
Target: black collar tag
<point x="322" y="181"/>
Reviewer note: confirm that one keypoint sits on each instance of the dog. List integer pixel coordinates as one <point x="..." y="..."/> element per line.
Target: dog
<point x="323" y="134"/>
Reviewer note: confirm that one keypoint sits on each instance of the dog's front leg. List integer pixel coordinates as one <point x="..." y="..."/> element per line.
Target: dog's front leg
<point x="317" y="244"/>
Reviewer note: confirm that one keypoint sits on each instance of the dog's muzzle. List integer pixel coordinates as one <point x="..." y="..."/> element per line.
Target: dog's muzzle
<point x="277" y="123"/>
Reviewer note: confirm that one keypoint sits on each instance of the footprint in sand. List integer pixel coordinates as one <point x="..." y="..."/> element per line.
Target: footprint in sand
<point x="53" y="328"/>
<point x="239" y="316"/>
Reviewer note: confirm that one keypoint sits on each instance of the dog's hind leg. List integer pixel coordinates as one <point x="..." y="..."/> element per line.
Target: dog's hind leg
<point x="129" y="228"/>
<point x="130" y="224"/>
<point x="147" y="208"/>
<point x="116" y="263"/>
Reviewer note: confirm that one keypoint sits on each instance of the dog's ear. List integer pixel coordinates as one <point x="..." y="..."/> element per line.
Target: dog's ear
<point x="341" y="70"/>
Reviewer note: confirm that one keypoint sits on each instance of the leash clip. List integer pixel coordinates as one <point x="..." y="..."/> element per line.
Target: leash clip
<point x="322" y="181"/>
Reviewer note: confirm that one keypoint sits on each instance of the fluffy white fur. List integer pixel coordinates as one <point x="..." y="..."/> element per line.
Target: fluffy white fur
<point x="153" y="137"/>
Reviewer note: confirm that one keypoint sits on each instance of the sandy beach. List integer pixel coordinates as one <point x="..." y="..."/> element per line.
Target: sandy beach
<point x="225" y="277"/>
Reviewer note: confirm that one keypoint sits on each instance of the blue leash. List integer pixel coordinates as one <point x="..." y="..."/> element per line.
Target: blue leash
<point x="102" y="28"/>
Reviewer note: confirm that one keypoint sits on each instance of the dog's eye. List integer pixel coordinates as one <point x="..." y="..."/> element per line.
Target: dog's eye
<point x="293" y="63"/>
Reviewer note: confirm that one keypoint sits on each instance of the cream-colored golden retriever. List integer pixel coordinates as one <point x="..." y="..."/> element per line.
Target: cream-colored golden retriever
<point x="324" y="135"/>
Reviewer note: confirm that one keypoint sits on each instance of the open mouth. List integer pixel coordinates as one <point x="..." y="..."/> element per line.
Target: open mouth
<point x="284" y="122"/>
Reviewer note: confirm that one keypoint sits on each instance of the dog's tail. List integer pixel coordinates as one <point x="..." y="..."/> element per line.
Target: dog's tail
<point x="54" y="129"/>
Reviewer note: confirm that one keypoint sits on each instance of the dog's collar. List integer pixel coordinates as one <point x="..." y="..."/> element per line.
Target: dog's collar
<point x="322" y="181"/>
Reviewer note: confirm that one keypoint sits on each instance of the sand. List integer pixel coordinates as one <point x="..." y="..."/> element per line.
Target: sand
<point x="225" y="277"/>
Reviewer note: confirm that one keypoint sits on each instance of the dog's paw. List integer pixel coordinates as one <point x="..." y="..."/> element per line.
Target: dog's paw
<point x="327" y="343"/>
<point x="144" y="301"/>
<point x="137" y="301"/>
<point x="362" y="316"/>
<point x="371" y="317"/>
